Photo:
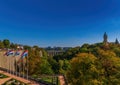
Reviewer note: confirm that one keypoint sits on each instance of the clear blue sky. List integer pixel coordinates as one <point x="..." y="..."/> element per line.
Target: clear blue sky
<point x="59" y="22"/>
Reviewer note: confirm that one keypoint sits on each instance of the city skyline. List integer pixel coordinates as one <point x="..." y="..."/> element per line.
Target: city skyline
<point x="59" y="23"/>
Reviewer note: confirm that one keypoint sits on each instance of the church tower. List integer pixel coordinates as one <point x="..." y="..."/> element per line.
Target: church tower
<point x="105" y="37"/>
<point x="116" y="41"/>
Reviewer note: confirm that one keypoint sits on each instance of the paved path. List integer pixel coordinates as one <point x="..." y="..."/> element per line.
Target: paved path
<point x="15" y="77"/>
<point x="62" y="81"/>
<point x="2" y="81"/>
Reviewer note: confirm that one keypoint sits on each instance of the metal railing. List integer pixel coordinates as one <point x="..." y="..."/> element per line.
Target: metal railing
<point x="37" y="80"/>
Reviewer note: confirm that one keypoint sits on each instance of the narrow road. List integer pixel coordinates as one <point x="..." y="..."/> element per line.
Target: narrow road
<point x="62" y="80"/>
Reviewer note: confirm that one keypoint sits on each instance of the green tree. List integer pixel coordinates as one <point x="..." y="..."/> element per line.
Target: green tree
<point x="6" y="43"/>
<point x="14" y="46"/>
<point x="26" y="47"/>
<point x="45" y="67"/>
<point x="38" y="65"/>
<point x="64" y="65"/>
<point x="1" y="45"/>
<point x="54" y="64"/>
<point x="111" y="66"/>
<point x="83" y="70"/>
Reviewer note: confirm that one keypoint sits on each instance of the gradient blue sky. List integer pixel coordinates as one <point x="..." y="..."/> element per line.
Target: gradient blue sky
<point x="59" y="22"/>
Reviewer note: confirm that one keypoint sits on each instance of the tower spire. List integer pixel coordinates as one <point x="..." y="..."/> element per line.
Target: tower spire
<point x="116" y="41"/>
<point x="105" y="37"/>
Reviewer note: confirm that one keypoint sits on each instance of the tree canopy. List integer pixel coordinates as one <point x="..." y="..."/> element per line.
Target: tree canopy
<point x="95" y="64"/>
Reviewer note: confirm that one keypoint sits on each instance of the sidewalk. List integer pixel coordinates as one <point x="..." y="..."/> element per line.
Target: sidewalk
<point x="2" y="81"/>
<point x="15" y="77"/>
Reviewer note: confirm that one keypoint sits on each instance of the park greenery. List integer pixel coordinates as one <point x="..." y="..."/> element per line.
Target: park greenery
<point x="13" y="82"/>
<point x="90" y="64"/>
<point x="96" y="64"/>
<point x="3" y="76"/>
